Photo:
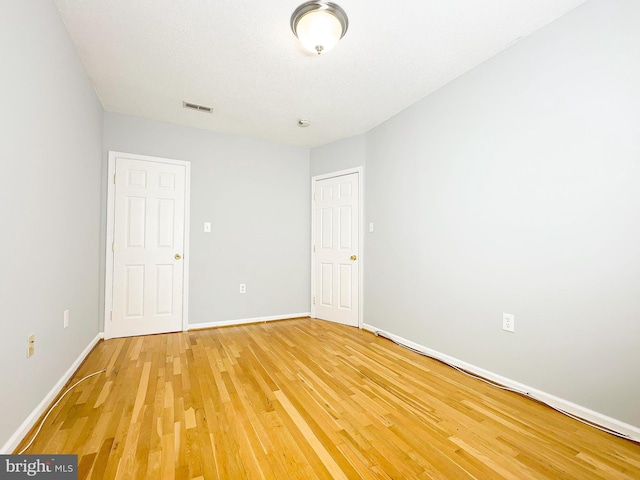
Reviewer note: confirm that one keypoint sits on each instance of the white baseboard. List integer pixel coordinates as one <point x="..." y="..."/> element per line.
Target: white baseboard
<point x="242" y="321"/>
<point x="33" y="417"/>
<point x="570" y="407"/>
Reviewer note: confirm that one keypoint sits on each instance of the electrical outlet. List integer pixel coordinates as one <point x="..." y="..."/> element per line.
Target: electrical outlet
<point x="243" y="288"/>
<point x="31" y="345"/>
<point x="65" y="320"/>
<point x="508" y="322"/>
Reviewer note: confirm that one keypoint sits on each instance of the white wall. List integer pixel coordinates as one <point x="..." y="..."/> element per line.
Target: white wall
<point x="50" y="156"/>
<point x="256" y="195"/>
<point x="516" y="188"/>
<point x="338" y="155"/>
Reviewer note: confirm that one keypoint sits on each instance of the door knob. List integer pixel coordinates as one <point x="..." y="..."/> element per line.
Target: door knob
<point x="177" y="256"/>
<point x="353" y="257"/>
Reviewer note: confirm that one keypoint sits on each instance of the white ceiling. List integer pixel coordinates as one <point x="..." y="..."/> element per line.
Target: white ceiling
<point x="145" y="57"/>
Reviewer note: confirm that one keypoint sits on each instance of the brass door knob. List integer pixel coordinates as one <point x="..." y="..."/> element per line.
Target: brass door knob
<point x="177" y="256"/>
<point x="353" y="257"/>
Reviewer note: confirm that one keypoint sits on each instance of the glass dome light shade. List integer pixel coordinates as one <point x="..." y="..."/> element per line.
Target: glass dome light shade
<point x="319" y="31"/>
<point x="319" y="25"/>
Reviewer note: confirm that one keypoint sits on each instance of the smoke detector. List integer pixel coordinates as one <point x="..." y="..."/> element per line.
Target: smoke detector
<point x="303" y="123"/>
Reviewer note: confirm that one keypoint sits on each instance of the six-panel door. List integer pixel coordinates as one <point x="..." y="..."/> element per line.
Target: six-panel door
<point x="336" y="211"/>
<point x="148" y="247"/>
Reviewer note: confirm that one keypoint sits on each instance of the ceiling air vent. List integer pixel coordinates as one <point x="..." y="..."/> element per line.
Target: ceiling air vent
<point x="196" y="107"/>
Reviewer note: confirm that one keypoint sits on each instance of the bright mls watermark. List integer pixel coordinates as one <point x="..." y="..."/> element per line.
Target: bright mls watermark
<point x="52" y="467"/>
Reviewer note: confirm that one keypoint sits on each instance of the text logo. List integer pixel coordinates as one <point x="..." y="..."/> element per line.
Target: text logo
<point x="52" y="467"/>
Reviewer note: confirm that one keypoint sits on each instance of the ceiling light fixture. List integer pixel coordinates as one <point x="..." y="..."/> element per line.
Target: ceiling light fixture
<point x="319" y="25"/>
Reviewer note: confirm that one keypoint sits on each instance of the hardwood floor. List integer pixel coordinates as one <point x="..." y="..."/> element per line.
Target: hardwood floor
<point x="306" y="399"/>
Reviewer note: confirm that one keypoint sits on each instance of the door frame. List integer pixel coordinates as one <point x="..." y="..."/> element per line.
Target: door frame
<point x="314" y="181"/>
<point x="109" y="235"/>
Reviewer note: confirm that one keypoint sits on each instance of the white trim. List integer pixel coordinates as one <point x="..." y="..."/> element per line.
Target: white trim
<point x="361" y="259"/>
<point x="243" y="321"/>
<point x="570" y="407"/>
<point x="339" y="173"/>
<point x="33" y="417"/>
<point x="108" y="282"/>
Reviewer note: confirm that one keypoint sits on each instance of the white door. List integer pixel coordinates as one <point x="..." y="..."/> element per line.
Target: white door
<point x="335" y="249"/>
<point x="149" y="227"/>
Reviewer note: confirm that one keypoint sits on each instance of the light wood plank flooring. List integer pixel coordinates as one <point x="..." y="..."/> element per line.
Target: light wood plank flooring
<point x="306" y="399"/>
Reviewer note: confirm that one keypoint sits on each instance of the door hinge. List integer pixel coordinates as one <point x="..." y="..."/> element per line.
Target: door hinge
<point x="314" y="249"/>
<point x="314" y="300"/>
<point x="114" y="178"/>
<point x="113" y="247"/>
<point x="111" y="316"/>
<point x="315" y="196"/>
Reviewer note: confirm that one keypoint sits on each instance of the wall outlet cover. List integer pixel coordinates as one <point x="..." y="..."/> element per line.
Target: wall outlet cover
<point x="31" y="345"/>
<point x="508" y="322"/>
